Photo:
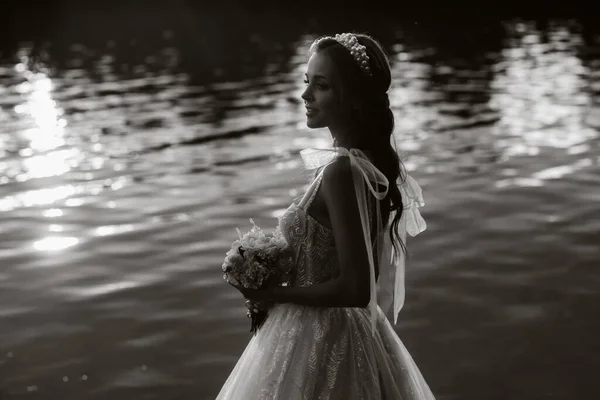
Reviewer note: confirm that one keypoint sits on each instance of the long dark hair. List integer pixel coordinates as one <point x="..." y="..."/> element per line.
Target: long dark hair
<point x="365" y="100"/>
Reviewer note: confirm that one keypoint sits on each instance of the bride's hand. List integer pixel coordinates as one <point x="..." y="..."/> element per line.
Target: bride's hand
<point x="256" y="306"/>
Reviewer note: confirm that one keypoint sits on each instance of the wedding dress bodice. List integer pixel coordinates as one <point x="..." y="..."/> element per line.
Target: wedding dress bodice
<point x="315" y="254"/>
<point x="313" y="245"/>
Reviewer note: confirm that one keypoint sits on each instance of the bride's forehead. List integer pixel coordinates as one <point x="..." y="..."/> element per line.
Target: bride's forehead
<point x="319" y="64"/>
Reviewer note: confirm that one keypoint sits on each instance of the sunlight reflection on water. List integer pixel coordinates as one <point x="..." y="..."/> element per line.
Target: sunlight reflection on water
<point x="122" y="185"/>
<point x="55" y="243"/>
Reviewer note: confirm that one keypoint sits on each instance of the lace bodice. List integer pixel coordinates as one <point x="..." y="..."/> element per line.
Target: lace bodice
<point x="315" y="257"/>
<point x="315" y="254"/>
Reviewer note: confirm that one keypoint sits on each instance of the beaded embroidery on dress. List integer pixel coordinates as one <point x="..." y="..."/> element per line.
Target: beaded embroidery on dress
<point x="306" y="353"/>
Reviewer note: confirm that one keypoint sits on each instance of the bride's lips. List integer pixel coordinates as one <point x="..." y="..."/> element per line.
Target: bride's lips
<point x="311" y="111"/>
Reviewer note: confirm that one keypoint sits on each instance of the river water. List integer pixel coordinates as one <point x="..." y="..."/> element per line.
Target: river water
<point x="134" y="142"/>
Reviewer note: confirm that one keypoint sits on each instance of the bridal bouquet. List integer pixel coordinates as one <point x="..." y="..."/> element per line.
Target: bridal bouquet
<point x="257" y="261"/>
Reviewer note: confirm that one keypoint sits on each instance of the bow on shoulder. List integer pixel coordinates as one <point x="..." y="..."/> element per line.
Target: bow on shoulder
<point x="412" y="194"/>
<point x="314" y="158"/>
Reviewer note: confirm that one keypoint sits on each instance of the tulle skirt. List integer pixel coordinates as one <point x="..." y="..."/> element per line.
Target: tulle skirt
<point x="306" y="353"/>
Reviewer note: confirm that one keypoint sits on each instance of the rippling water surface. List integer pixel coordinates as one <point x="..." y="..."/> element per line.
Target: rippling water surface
<point x="129" y="153"/>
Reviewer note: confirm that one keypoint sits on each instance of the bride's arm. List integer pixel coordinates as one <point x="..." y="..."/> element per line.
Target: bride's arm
<point x="351" y="287"/>
<point x="331" y="293"/>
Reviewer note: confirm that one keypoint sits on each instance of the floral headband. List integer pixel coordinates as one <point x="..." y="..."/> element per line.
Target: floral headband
<point x="357" y="50"/>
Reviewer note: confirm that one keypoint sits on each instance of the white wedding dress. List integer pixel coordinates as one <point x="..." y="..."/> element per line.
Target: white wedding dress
<point x="310" y="353"/>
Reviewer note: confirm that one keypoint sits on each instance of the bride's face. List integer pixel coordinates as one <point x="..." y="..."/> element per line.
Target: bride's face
<point x="321" y="94"/>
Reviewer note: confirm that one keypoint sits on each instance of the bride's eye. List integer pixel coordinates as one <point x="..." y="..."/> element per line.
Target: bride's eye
<point x="305" y="81"/>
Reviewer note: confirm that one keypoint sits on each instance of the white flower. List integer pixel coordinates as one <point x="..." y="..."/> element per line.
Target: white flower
<point x="264" y="257"/>
<point x="233" y="259"/>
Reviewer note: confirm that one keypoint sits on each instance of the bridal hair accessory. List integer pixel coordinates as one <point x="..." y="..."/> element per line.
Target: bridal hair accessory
<point x="392" y="269"/>
<point x="357" y="50"/>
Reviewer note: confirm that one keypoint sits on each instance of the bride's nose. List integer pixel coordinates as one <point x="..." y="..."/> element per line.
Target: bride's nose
<point x="306" y="95"/>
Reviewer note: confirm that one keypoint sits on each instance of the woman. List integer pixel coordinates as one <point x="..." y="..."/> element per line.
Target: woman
<point x="326" y="336"/>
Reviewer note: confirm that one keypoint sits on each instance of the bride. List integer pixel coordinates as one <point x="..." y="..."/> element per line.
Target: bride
<point x="327" y="335"/>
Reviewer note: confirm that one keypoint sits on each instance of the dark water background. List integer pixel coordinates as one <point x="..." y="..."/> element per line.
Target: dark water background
<point x="135" y="138"/>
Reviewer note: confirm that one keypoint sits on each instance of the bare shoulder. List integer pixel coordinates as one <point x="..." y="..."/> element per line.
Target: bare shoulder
<point x="340" y="165"/>
<point x="337" y="179"/>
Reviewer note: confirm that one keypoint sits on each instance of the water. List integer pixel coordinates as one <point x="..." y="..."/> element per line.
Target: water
<point x="130" y="152"/>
